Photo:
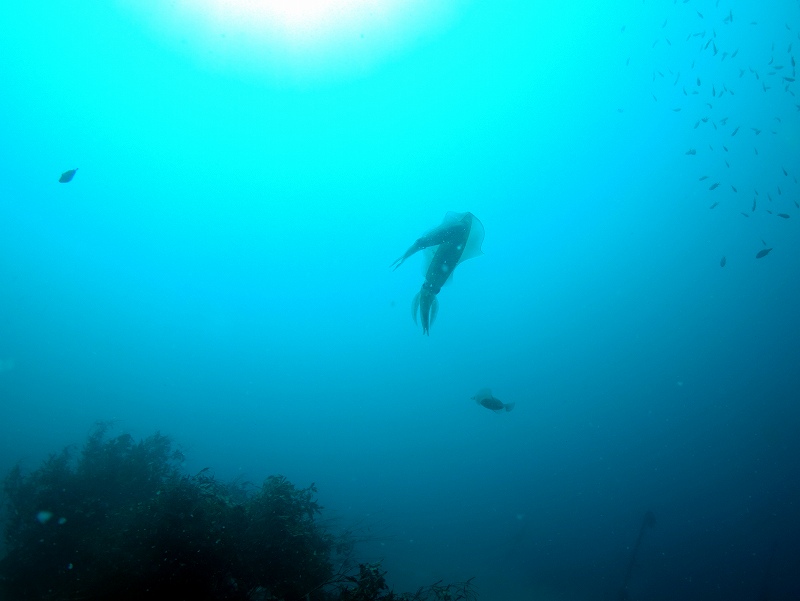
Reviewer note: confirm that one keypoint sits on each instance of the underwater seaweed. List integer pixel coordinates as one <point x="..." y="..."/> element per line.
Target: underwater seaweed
<point x="121" y="521"/>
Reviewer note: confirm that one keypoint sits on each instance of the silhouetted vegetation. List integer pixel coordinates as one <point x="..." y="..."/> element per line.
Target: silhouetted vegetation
<point x="121" y="521"/>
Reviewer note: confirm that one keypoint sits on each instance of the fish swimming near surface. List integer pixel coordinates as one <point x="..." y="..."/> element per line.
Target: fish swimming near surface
<point x="763" y="253"/>
<point x="722" y="262"/>
<point x="67" y="176"/>
<point x="458" y="238"/>
<point x="484" y="398"/>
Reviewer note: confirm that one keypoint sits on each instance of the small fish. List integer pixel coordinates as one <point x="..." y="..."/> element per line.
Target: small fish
<point x="784" y="215"/>
<point x="762" y="253"/>
<point x="484" y="398"/>
<point x="722" y="262"/>
<point x="691" y="151"/>
<point x="753" y="210"/>
<point x="755" y="129"/>
<point x="797" y="204"/>
<point x="734" y="188"/>
<point x="713" y="205"/>
<point x="745" y="214"/>
<point x="67" y="176"/>
<point x="713" y="186"/>
<point x="702" y="177"/>
<point x="784" y="170"/>
<point x="733" y="133"/>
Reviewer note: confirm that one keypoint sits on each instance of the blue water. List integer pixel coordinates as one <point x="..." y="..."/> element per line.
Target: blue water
<point x="218" y="270"/>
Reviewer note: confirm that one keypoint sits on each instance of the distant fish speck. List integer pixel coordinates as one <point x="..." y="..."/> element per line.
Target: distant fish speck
<point x="722" y="262"/>
<point x="713" y="205"/>
<point x="67" y="176"/>
<point x="691" y="151"/>
<point x="702" y="177"/>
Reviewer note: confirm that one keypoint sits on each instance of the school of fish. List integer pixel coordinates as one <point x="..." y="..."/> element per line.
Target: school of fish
<point x="714" y="67"/>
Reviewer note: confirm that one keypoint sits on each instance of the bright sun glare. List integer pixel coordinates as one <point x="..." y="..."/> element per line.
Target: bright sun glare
<point x="297" y="37"/>
<point x="298" y="19"/>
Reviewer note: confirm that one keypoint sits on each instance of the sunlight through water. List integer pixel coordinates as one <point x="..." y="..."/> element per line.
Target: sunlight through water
<point x="317" y="38"/>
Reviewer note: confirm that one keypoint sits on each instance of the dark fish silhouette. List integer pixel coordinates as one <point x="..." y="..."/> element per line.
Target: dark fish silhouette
<point x="722" y="262"/>
<point x="713" y="186"/>
<point x="713" y="205"/>
<point x="784" y="215"/>
<point x="484" y="398"/>
<point x="733" y="133"/>
<point x="763" y="253"/>
<point x="67" y="176"/>
<point x="702" y="177"/>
